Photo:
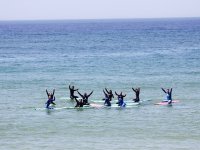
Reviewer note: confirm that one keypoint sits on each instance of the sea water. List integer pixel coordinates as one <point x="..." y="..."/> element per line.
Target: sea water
<point x="93" y="55"/>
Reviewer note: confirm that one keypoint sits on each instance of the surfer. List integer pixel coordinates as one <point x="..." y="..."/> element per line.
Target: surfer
<point x="121" y="99"/>
<point x="85" y="97"/>
<point x="72" y="90"/>
<point x="79" y="103"/>
<point x="110" y="94"/>
<point x="137" y="94"/>
<point x="51" y="98"/>
<point x="106" y="99"/>
<point x="168" y="93"/>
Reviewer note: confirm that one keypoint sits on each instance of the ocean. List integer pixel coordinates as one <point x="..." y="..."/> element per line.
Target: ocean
<point x="92" y="55"/>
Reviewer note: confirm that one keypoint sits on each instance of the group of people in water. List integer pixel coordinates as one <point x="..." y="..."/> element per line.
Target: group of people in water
<point x="108" y="96"/>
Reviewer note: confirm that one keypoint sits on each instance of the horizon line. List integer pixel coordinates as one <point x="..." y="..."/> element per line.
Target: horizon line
<point x="87" y="19"/>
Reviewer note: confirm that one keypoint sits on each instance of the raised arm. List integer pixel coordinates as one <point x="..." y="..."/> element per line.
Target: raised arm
<point x="69" y="87"/>
<point x="116" y="93"/>
<point x="53" y="91"/>
<point x="90" y="94"/>
<point x="47" y="92"/>
<point x="80" y="94"/>
<point x="138" y="90"/>
<point x="163" y="90"/>
<point x="171" y="90"/>
<point x="133" y="89"/>
<point x="106" y="90"/>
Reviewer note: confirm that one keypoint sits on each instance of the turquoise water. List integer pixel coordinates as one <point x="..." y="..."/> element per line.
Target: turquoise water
<point x="92" y="55"/>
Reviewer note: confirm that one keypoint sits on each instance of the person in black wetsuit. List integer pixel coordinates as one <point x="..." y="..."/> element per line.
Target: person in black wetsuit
<point x="168" y="93"/>
<point x="110" y="94"/>
<point x="79" y="103"/>
<point x="72" y="90"/>
<point x="137" y="94"/>
<point x="121" y="99"/>
<point x="85" y="97"/>
<point x="106" y="99"/>
<point x="51" y="98"/>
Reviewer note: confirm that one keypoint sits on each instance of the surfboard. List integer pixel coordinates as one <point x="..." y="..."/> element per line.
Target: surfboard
<point x="115" y="101"/>
<point x="60" y="108"/>
<point x="173" y="101"/>
<point x="96" y="105"/>
<point x="116" y="106"/>
<point x="166" y="102"/>
<point x="113" y="105"/>
<point x="68" y="98"/>
<point x="50" y="108"/>
<point x="91" y="106"/>
<point x="163" y="103"/>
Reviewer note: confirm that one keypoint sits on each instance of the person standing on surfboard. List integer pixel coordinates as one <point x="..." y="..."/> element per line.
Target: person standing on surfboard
<point x="72" y="90"/>
<point x="51" y="98"/>
<point x="106" y="99"/>
<point x="137" y="94"/>
<point x="110" y="94"/>
<point x="121" y="99"/>
<point x="168" y="93"/>
<point x="85" y="97"/>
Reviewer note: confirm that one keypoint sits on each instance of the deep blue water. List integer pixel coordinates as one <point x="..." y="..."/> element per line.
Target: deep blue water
<point x="92" y="55"/>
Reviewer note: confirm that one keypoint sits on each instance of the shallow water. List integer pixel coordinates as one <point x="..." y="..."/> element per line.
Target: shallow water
<point x="92" y="55"/>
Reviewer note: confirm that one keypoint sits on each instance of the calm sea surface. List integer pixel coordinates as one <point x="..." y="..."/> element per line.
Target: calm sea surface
<point x="92" y="55"/>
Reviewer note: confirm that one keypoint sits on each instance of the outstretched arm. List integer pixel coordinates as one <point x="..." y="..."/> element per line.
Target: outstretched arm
<point x="90" y="94"/>
<point x="69" y="87"/>
<point x="116" y="93"/>
<point x="124" y="95"/>
<point x="163" y="90"/>
<point x="80" y="94"/>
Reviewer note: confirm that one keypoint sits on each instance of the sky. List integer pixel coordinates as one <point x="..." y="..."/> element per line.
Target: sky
<point x="96" y="9"/>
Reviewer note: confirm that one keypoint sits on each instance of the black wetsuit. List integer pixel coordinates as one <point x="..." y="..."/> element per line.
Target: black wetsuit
<point x="72" y="96"/>
<point x="107" y="99"/>
<point x="120" y="99"/>
<point x="137" y="94"/>
<point x="51" y="98"/>
<point x="50" y="101"/>
<point x="168" y="94"/>
<point x="85" y="98"/>
<point x="110" y="94"/>
<point x="79" y="103"/>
